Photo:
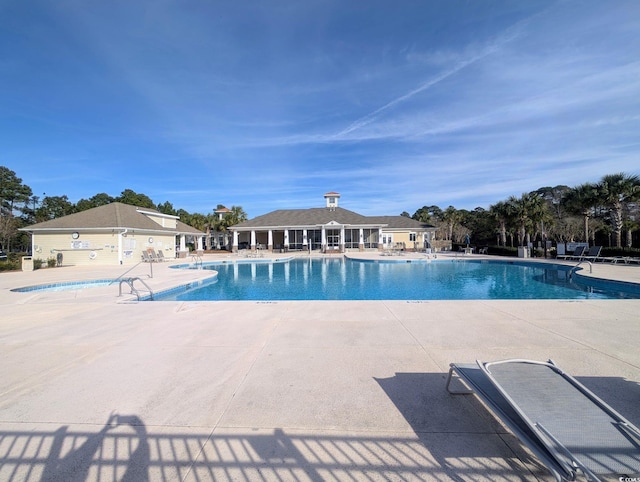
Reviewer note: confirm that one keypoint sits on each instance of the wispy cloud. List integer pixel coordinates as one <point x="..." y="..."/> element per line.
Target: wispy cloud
<point x="456" y="103"/>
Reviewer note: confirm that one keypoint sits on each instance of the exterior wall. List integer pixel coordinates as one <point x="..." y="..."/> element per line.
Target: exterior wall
<point x="164" y="221"/>
<point x="402" y="237"/>
<point x="100" y="248"/>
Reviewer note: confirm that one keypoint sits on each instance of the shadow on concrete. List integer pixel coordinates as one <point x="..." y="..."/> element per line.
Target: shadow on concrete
<point x="456" y="438"/>
<point x="124" y="450"/>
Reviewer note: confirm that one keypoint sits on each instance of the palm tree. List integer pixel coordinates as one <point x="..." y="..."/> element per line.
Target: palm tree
<point x="517" y="210"/>
<point x="451" y="216"/>
<point x="614" y="191"/>
<point x="500" y="211"/>
<point x="539" y="214"/>
<point x="582" y="200"/>
<point x="528" y="211"/>
<point x="235" y="216"/>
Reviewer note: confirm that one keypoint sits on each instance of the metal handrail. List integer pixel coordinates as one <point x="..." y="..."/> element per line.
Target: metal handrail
<point x="130" y="282"/>
<point x="196" y="258"/>
<point x="572" y="270"/>
<point x="132" y="268"/>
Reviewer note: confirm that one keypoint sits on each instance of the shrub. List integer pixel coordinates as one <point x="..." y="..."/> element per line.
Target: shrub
<point x="502" y="251"/>
<point x="10" y="265"/>
<point x="37" y="263"/>
<point x="610" y="252"/>
<point x="51" y="262"/>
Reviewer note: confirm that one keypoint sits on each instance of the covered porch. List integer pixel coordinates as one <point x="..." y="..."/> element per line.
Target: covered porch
<point x="327" y="238"/>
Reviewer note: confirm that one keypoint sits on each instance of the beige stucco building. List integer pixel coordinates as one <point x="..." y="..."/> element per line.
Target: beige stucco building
<point x="112" y="234"/>
<point x="330" y="229"/>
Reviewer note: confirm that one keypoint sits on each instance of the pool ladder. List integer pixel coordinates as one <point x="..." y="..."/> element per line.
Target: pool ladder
<point x="134" y="290"/>
<point x="197" y="259"/>
<point x="573" y="270"/>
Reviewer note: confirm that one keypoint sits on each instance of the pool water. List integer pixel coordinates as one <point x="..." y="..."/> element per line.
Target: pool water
<point x="67" y="285"/>
<point x="345" y="279"/>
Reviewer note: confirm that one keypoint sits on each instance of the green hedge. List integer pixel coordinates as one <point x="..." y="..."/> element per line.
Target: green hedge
<point x="609" y="252"/>
<point x="10" y="265"/>
<point x="502" y="251"/>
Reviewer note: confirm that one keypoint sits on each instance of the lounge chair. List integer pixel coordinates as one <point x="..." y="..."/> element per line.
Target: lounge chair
<point x="561" y="252"/>
<point x="622" y="259"/>
<point x="593" y="253"/>
<point x="578" y="253"/>
<point x="160" y="256"/>
<point x="146" y="257"/>
<point x="565" y="425"/>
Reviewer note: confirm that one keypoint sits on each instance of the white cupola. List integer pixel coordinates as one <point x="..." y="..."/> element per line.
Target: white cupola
<point x="331" y="199"/>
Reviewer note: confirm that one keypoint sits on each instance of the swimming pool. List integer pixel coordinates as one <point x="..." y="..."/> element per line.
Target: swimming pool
<point x="67" y="285"/>
<point x="348" y="279"/>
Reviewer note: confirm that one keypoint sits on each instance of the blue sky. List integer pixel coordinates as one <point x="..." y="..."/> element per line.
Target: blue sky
<point x="270" y="104"/>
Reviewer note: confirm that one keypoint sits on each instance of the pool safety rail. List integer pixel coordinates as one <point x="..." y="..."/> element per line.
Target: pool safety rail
<point x="134" y="290"/>
<point x="197" y="260"/>
<point x="575" y="268"/>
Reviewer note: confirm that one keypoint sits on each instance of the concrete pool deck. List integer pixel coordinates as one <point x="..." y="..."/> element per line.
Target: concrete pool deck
<point x="96" y="388"/>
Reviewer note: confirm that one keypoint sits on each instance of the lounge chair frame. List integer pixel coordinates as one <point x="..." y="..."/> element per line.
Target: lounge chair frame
<point x="543" y="443"/>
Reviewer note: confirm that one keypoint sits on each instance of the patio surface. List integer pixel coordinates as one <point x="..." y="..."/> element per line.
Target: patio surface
<point x="94" y="388"/>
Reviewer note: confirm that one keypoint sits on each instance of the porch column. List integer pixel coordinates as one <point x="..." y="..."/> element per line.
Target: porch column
<point x="286" y="239"/>
<point x="183" y="244"/>
<point x="253" y="240"/>
<point x="234" y="246"/>
<point x="199" y="238"/>
<point x="380" y="246"/>
<point x="270" y="241"/>
<point x="361" y="241"/>
<point x="323" y="240"/>
<point x="342" y="242"/>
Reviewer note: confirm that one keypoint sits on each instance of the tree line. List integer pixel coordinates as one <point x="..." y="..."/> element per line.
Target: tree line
<point x="605" y="213"/>
<point x="19" y="208"/>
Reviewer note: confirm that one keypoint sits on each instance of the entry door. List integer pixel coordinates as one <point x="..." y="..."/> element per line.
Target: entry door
<point x="333" y="239"/>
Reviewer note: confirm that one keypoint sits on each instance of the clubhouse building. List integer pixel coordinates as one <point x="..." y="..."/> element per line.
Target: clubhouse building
<point x="330" y="229"/>
<point x="112" y="234"/>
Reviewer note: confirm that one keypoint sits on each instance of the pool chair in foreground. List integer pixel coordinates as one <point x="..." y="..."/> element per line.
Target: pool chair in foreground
<point x="575" y="434"/>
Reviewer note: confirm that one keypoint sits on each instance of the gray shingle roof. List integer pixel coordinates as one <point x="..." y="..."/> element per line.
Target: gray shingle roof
<point x="303" y="217"/>
<point x="110" y="216"/>
<point x="318" y="216"/>
<point x="399" y="222"/>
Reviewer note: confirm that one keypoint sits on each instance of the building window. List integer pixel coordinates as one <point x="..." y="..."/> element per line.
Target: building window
<point x="295" y="239"/>
<point x="370" y="238"/>
<point x="314" y="238"/>
<point x="412" y="237"/>
<point x="351" y="238"/>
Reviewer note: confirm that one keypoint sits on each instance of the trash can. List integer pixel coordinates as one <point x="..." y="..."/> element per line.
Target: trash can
<point x="523" y="252"/>
<point x="27" y="263"/>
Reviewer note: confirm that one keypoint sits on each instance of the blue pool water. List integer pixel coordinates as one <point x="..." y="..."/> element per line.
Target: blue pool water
<point x="345" y="279"/>
<point x="67" y="285"/>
